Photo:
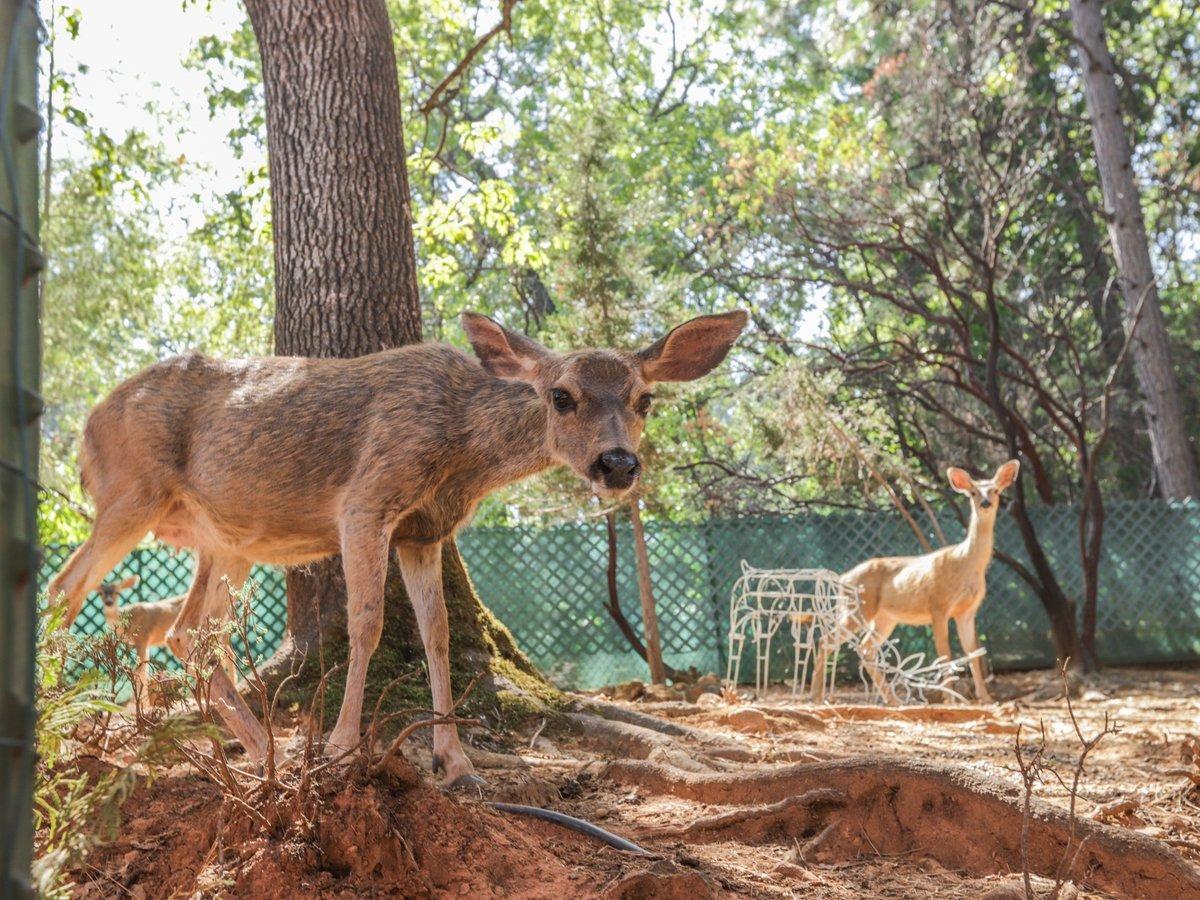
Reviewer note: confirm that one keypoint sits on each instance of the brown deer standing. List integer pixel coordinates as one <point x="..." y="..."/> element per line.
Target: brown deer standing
<point x="932" y="589"/>
<point x="288" y="460"/>
<point x="145" y="625"/>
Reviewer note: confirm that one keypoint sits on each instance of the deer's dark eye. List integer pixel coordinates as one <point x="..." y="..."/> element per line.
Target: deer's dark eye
<point x="562" y="401"/>
<point x="643" y="404"/>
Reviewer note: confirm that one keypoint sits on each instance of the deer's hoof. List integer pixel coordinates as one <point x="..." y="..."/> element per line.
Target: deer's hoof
<point x="456" y="771"/>
<point x="468" y="783"/>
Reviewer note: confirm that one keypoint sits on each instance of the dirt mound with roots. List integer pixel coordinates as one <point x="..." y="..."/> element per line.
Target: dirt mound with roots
<point x="405" y="836"/>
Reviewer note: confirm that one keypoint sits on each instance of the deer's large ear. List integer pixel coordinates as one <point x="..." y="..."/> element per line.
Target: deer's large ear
<point x="504" y="353"/>
<point x="1007" y="474"/>
<point x="693" y="348"/>
<point x="959" y="480"/>
<point x="126" y="583"/>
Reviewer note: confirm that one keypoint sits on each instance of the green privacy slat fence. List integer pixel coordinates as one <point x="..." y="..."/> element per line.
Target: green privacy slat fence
<point x="549" y="585"/>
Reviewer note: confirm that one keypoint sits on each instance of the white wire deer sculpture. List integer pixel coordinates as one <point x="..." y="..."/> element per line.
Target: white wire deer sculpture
<point x="810" y="601"/>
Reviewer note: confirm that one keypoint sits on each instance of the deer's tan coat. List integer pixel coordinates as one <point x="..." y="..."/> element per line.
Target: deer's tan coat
<point x="287" y="460"/>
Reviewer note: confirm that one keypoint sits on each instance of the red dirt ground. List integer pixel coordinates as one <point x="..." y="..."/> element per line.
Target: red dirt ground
<point x="772" y="798"/>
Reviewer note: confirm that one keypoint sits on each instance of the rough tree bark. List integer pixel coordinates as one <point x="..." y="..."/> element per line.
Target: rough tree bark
<point x="1174" y="461"/>
<point x="345" y="274"/>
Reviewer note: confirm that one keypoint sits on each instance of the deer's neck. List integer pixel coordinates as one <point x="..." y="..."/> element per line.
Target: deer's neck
<point x="977" y="548"/>
<point x="504" y="434"/>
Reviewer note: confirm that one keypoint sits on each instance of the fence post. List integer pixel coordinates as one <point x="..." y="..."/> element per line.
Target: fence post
<point x="20" y="408"/>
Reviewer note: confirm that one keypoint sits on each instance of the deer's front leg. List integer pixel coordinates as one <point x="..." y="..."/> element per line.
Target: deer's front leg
<point x="966" y="637"/>
<point x="364" y="561"/>
<point x="873" y="643"/>
<point x="421" y="566"/>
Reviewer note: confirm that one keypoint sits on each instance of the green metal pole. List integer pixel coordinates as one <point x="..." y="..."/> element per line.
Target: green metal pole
<point x="20" y="408"/>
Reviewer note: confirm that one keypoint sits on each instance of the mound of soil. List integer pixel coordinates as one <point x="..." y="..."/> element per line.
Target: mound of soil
<point x="842" y="810"/>
<point x="399" y="835"/>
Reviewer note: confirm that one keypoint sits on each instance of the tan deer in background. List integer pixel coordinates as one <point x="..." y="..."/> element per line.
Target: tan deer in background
<point x="145" y="625"/>
<point x="288" y="460"/>
<point x="932" y="589"/>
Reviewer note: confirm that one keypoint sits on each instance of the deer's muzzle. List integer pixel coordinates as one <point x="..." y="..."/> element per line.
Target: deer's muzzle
<point x="617" y="469"/>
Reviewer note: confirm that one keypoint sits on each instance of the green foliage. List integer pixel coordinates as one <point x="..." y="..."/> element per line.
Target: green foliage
<point x="78" y="805"/>
<point x="609" y="169"/>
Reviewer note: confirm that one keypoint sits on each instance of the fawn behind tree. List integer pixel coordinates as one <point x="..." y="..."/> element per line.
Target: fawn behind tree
<point x="289" y="460"/>
<point x="146" y="625"/>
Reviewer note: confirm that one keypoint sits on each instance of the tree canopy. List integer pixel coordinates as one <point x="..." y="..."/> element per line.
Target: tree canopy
<point x="904" y="195"/>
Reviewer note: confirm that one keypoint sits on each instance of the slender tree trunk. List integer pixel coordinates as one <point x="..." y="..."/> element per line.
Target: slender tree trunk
<point x="345" y="264"/>
<point x="1059" y="608"/>
<point x="1091" y="543"/>
<point x="1174" y="461"/>
<point x="345" y="271"/>
<point x="614" y="600"/>
<point x="658" y="673"/>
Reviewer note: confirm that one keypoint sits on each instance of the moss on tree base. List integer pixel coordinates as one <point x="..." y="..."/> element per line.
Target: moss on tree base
<point x="510" y="690"/>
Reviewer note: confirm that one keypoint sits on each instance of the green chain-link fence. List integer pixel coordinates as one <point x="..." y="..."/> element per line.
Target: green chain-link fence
<point x="549" y="585"/>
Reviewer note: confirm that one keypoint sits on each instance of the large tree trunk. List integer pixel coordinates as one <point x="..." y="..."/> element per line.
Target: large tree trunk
<point x="1173" y="458"/>
<point x="345" y="275"/>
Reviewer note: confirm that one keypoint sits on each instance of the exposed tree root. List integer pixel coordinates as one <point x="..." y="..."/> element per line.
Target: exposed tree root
<point x="714" y="744"/>
<point x="633" y="717"/>
<point x="623" y="740"/>
<point x="929" y="713"/>
<point x="958" y="817"/>
<point x="792" y="818"/>
<point x="753" y="720"/>
<point x="669" y="709"/>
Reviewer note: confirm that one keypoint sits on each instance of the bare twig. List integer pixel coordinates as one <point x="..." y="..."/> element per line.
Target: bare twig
<point x="504" y="25"/>
<point x="404" y="735"/>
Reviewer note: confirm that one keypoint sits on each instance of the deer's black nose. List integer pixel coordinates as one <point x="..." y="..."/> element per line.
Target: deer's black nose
<point x="618" y="468"/>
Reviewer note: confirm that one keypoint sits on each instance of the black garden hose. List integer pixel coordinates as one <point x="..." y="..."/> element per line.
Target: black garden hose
<point x="574" y="824"/>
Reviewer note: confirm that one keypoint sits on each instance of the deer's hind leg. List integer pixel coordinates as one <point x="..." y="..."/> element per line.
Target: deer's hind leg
<point x="141" y="675"/>
<point x="207" y="603"/>
<point x="421" y="565"/>
<point x="364" y="561"/>
<point x="117" y="529"/>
